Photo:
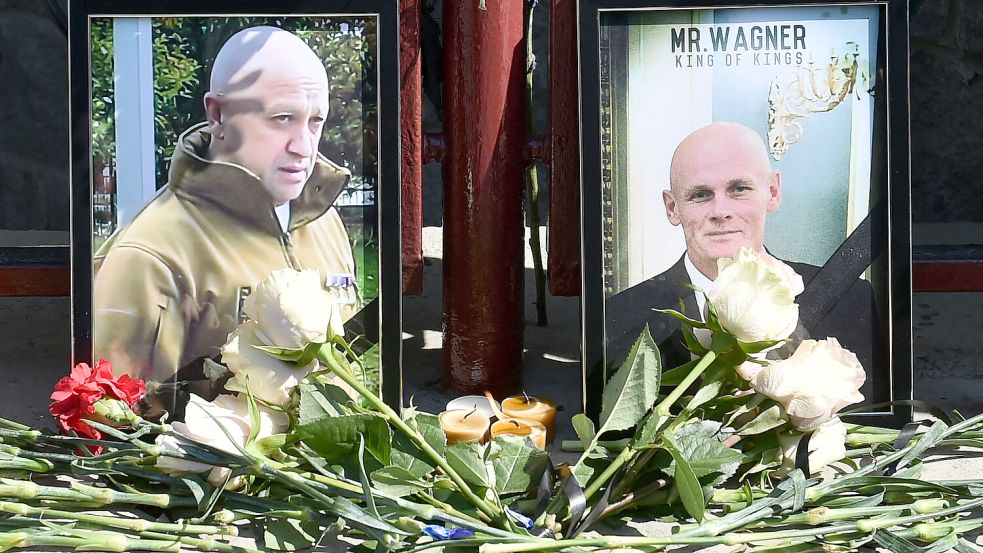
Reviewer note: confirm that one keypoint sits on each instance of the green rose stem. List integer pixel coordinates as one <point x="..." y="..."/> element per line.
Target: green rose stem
<point x="663" y="410"/>
<point x="134" y="525"/>
<point x="326" y="356"/>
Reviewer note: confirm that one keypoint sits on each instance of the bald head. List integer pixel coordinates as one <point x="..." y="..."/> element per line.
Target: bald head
<point x="266" y="108"/>
<point x="721" y="187"/>
<point x="258" y="54"/>
<point x="721" y="142"/>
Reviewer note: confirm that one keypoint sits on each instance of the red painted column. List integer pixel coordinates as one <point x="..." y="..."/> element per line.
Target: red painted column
<point x="485" y="136"/>
<point x="563" y="261"/>
<point x="411" y="142"/>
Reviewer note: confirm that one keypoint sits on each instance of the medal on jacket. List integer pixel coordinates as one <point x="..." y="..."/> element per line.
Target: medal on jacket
<point x="342" y="287"/>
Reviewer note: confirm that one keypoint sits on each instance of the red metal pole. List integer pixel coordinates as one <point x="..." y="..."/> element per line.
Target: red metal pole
<point x="411" y="139"/>
<point x="484" y="130"/>
<point x="563" y="262"/>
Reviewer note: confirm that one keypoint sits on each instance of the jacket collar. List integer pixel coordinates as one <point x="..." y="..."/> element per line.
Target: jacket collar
<point x="238" y="191"/>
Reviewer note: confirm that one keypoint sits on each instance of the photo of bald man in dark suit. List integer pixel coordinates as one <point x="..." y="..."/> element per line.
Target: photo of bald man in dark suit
<point x="722" y="187"/>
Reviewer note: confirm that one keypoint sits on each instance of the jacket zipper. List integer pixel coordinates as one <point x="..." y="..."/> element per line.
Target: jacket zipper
<point x="287" y="244"/>
<point x="288" y="251"/>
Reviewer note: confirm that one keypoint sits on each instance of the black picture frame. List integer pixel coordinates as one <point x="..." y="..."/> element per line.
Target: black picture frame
<point x="380" y="319"/>
<point x="882" y="236"/>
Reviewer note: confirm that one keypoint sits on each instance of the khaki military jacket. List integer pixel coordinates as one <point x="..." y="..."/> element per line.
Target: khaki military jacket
<point x="168" y="287"/>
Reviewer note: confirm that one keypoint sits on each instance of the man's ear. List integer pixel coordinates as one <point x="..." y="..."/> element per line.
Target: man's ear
<point x="670" y="202"/>
<point x="213" y="113"/>
<point x="775" y="191"/>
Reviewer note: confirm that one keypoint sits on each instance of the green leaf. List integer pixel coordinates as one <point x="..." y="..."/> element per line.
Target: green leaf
<point x="284" y="534"/>
<point x="275" y="442"/>
<point x="799" y="487"/>
<point x="705" y="394"/>
<point x="336" y="438"/>
<point x="407" y="455"/>
<point x="925" y="441"/>
<point x="704" y="453"/>
<point x="466" y="459"/>
<point x="646" y="432"/>
<point x="199" y="489"/>
<point x="584" y="427"/>
<point x="964" y="546"/>
<point x="634" y="389"/>
<point x="283" y="354"/>
<point x="518" y="465"/>
<point x="693" y="323"/>
<point x="351" y="512"/>
<point x="364" y="479"/>
<point x="757" y="347"/>
<point x="318" y="399"/>
<point x="690" y="491"/>
<point x="852" y="501"/>
<point x="692" y="343"/>
<point x="771" y="417"/>
<point x="397" y="481"/>
<point x="895" y="544"/>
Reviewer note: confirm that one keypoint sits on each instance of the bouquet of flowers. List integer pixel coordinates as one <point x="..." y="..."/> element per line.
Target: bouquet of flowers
<point x="736" y="447"/>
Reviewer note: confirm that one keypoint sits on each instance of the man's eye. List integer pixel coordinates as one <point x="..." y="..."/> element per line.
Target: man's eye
<point x="317" y="120"/>
<point x="741" y="189"/>
<point x="700" y="196"/>
<point x="282" y="118"/>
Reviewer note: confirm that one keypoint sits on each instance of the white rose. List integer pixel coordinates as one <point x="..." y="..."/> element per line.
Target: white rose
<point x="223" y="424"/>
<point x="293" y="309"/>
<point x="270" y="379"/>
<point x="827" y="444"/>
<point x="750" y="368"/>
<point x="754" y="297"/>
<point x="818" y="380"/>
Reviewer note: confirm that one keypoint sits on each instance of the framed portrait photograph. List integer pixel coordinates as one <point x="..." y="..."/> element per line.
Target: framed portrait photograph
<point x="779" y="126"/>
<point x="214" y="144"/>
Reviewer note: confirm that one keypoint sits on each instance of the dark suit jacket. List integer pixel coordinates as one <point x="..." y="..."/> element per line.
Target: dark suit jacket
<point x="853" y="319"/>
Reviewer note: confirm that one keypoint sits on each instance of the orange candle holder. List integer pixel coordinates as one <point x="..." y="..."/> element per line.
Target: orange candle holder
<point x="463" y="425"/>
<point x="535" y="408"/>
<point x="521" y="427"/>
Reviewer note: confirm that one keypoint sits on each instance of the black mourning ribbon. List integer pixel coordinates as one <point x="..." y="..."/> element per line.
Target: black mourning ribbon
<point x="802" y="454"/>
<point x="362" y="330"/>
<point x="598" y="509"/>
<point x="570" y="488"/>
<point x="905" y="436"/>
<point x="843" y="268"/>
<point x="543" y="494"/>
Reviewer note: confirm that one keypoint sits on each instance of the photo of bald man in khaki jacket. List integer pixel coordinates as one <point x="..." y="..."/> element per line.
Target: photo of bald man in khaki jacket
<point x="248" y="193"/>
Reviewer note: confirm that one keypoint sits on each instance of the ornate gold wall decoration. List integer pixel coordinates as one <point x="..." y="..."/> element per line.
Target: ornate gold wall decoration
<point x="812" y="90"/>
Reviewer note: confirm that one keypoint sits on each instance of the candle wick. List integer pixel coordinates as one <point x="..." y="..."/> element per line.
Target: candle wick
<point x="515" y="422"/>
<point x="526" y="396"/>
<point x="470" y="413"/>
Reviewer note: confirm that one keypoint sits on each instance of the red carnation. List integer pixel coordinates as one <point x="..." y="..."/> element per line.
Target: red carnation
<point x="75" y="396"/>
